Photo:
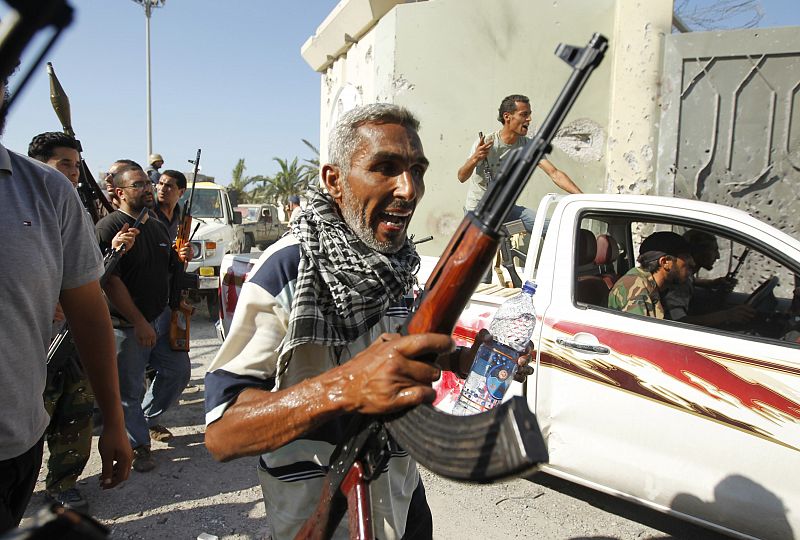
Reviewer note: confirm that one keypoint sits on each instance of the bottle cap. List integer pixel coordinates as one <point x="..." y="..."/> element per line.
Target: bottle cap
<point x="529" y="287"/>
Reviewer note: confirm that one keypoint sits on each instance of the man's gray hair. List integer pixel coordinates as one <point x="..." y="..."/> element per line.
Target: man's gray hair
<point x="344" y="137"/>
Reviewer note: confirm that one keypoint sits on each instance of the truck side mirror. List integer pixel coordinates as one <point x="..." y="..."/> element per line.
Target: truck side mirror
<point x="237" y="218"/>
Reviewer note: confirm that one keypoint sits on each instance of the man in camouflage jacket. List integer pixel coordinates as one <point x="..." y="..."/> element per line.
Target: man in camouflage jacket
<point x="664" y="258"/>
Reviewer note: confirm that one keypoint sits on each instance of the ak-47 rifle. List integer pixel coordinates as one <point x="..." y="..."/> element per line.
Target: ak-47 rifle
<point x="181" y="308"/>
<point x="185" y="225"/>
<point x="88" y="189"/>
<point x="62" y="346"/>
<point x="485" y="447"/>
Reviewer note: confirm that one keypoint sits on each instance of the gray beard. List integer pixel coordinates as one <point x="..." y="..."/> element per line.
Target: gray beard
<point x="358" y="223"/>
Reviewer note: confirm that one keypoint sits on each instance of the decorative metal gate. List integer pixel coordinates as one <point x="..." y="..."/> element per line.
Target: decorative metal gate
<point x="730" y="122"/>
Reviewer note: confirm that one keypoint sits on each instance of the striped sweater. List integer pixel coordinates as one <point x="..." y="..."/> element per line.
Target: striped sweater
<point x="291" y="476"/>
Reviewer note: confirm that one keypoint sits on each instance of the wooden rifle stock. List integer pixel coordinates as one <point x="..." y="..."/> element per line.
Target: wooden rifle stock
<point x="485" y="447"/>
<point x="455" y="277"/>
<point x="180" y="320"/>
<point x="320" y="524"/>
<point x="356" y="498"/>
<point x="179" y="323"/>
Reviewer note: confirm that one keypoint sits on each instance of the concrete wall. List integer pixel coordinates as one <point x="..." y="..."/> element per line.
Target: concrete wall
<point x="452" y="61"/>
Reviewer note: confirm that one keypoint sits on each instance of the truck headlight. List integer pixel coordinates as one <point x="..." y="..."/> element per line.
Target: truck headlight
<point x="197" y="250"/>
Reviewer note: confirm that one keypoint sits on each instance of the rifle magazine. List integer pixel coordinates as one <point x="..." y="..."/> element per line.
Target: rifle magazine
<point x="503" y="442"/>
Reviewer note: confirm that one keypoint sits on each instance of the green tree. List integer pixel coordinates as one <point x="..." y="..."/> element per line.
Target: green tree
<point x="237" y="188"/>
<point x="291" y="179"/>
<point x="259" y="194"/>
<point x="312" y="165"/>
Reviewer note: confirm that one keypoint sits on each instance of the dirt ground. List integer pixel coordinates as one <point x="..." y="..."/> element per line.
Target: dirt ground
<point x="189" y="494"/>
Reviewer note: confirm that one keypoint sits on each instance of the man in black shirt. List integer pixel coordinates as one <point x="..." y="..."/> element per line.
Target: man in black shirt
<point x="169" y="189"/>
<point x="139" y="292"/>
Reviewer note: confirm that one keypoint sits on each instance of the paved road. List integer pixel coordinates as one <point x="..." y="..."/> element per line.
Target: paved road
<point x="189" y="493"/>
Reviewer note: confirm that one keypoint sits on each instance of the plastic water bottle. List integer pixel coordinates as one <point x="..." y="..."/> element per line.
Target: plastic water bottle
<point x="495" y="364"/>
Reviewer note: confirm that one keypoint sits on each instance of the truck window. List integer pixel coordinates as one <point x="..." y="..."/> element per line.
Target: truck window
<point x="596" y="260"/>
<point x="735" y="287"/>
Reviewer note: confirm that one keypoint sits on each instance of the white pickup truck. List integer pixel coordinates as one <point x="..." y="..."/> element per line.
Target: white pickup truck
<point x="696" y="422"/>
<point x="216" y="231"/>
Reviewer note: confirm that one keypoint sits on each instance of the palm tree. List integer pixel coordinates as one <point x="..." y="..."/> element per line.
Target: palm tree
<point x="291" y="179"/>
<point x="312" y="165"/>
<point x="239" y="183"/>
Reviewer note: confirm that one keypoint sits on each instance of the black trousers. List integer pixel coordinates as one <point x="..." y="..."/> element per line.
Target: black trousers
<point x="17" y="480"/>
<point x="419" y="523"/>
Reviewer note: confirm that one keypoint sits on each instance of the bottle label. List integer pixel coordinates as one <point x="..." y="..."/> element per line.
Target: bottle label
<point x="491" y="374"/>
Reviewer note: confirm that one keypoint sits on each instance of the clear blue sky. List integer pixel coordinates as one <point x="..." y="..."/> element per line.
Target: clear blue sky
<point x="227" y="77"/>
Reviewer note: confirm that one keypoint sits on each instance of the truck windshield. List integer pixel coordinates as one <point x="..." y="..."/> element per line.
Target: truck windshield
<point x="206" y="203"/>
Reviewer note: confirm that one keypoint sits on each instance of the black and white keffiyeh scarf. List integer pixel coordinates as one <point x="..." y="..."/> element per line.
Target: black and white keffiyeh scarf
<point x="343" y="286"/>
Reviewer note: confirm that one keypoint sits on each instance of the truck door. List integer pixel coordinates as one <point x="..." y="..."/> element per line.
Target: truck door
<point x="686" y="417"/>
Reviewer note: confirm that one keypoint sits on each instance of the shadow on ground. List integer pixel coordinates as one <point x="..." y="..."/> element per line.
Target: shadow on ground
<point x="188" y="493"/>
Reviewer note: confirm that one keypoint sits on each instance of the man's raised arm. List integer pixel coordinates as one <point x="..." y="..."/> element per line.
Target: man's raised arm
<point x="478" y="155"/>
<point x="559" y="177"/>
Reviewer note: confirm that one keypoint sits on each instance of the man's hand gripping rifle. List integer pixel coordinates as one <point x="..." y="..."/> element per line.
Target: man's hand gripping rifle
<point x="503" y="442"/>
<point x="62" y="347"/>
<point x="181" y="281"/>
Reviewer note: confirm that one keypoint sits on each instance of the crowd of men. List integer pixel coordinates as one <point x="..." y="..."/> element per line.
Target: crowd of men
<point x="314" y="340"/>
<point x="118" y="320"/>
<point x="316" y="343"/>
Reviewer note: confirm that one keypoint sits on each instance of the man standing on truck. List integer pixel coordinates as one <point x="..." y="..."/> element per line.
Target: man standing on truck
<point x="170" y="188"/>
<point x="68" y="396"/>
<point x="317" y="312"/>
<point x="155" y="161"/>
<point x="487" y="154"/>
<point x="139" y="292"/>
<point x="664" y="259"/>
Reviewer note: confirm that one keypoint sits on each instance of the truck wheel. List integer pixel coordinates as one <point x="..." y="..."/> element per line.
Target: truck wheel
<point x="247" y="244"/>
<point x="212" y="301"/>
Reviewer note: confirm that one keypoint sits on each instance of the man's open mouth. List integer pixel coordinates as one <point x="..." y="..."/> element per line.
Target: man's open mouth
<point x="395" y="219"/>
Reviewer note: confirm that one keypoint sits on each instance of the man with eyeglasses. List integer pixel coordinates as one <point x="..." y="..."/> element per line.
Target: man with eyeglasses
<point x="112" y="170"/>
<point x="139" y="293"/>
